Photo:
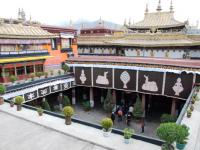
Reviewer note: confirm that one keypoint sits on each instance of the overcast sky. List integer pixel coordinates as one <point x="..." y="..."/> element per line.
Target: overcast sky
<point x="61" y="11"/>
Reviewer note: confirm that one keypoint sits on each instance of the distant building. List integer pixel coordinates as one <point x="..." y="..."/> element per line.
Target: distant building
<point x="28" y="47"/>
<point x="99" y="30"/>
<point x="157" y="35"/>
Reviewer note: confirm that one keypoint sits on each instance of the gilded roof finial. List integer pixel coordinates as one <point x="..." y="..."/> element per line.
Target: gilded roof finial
<point x="70" y="22"/>
<point x="171" y="7"/>
<point x="82" y="25"/>
<point x="147" y="8"/>
<point x="23" y="15"/>
<point x="159" y="6"/>
<point x="100" y="21"/>
<point x="129" y="23"/>
<point x="125" y="22"/>
<point x="19" y="13"/>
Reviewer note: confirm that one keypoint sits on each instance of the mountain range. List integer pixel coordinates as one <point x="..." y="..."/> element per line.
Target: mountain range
<point x="90" y="24"/>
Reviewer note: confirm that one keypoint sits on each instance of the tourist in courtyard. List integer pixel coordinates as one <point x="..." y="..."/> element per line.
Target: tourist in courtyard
<point x="128" y="119"/>
<point x="119" y="114"/>
<point x="130" y="110"/>
<point x="142" y="125"/>
<point x="113" y="117"/>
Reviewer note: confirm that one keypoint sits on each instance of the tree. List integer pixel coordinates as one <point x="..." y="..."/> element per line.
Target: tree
<point x="137" y="112"/>
<point x="45" y="105"/>
<point x="65" y="68"/>
<point x="66" y="101"/>
<point x="107" y="105"/>
<point x="2" y="89"/>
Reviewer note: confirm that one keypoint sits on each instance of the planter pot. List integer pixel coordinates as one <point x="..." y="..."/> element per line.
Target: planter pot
<point x="189" y="115"/>
<point x="40" y="114"/>
<point x="164" y="148"/>
<point x="11" y="105"/>
<point x="1" y="100"/>
<point x="180" y="146"/>
<point x="106" y="133"/>
<point x="126" y="141"/>
<point x="67" y="120"/>
<point x="19" y="107"/>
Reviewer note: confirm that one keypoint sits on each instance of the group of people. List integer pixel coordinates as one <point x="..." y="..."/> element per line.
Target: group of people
<point x="127" y="113"/>
<point x="121" y="112"/>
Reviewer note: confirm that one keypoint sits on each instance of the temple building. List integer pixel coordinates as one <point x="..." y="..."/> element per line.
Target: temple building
<point x="156" y="60"/>
<point x="99" y="30"/>
<point x="158" y="35"/>
<point x="28" y="47"/>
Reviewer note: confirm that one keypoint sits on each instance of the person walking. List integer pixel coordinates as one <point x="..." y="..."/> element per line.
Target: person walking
<point x="142" y="125"/>
<point x="113" y="117"/>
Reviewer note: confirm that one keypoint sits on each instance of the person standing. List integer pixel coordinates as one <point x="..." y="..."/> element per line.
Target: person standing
<point x="131" y="110"/>
<point x="142" y="125"/>
<point x="113" y="117"/>
<point x="119" y="114"/>
<point x="128" y="117"/>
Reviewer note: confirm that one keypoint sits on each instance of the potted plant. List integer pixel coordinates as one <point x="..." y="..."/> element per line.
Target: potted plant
<point x="2" y="91"/>
<point x="68" y="111"/>
<point x="191" y="107"/>
<point x="13" y="79"/>
<point x="168" y="133"/>
<point x="167" y="118"/>
<point x="193" y="100"/>
<point x="40" y="111"/>
<point x="128" y="134"/>
<point x="65" y="68"/>
<point x="12" y="103"/>
<point x="51" y="72"/>
<point x="46" y="74"/>
<point x="38" y="74"/>
<point x="18" y="101"/>
<point x="86" y="105"/>
<point x="106" y="124"/>
<point x="182" y="135"/>
<point x="189" y="113"/>
<point x="59" y="72"/>
<point x="32" y="75"/>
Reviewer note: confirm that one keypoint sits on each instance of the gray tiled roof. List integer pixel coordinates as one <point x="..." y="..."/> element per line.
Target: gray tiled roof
<point x="23" y="31"/>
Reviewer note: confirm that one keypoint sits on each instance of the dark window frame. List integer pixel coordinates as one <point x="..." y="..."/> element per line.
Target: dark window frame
<point x="54" y="42"/>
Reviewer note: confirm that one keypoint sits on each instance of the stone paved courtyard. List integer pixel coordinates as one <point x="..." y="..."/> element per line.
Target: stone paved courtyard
<point x="95" y="115"/>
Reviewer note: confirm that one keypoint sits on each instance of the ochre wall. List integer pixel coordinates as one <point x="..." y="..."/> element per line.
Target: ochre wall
<point x="57" y="58"/>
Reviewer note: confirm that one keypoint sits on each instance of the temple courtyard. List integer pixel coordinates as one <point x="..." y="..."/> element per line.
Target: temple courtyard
<point x="26" y="130"/>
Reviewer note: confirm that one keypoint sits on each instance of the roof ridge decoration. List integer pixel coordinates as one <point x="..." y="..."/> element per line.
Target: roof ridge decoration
<point x="159" y="6"/>
<point x="147" y="8"/>
<point x="171" y="7"/>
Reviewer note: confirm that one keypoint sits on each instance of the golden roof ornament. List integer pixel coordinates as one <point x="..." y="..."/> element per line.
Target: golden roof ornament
<point x="21" y="15"/>
<point x="125" y="22"/>
<point x="129" y="23"/>
<point x="1" y="21"/>
<point x="147" y="8"/>
<point x="159" y="6"/>
<point x="171" y="7"/>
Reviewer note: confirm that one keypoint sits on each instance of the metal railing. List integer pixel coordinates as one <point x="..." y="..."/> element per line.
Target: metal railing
<point x="185" y="107"/>
<point x="13" y="88"/>
<point x="23" y="53"/>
